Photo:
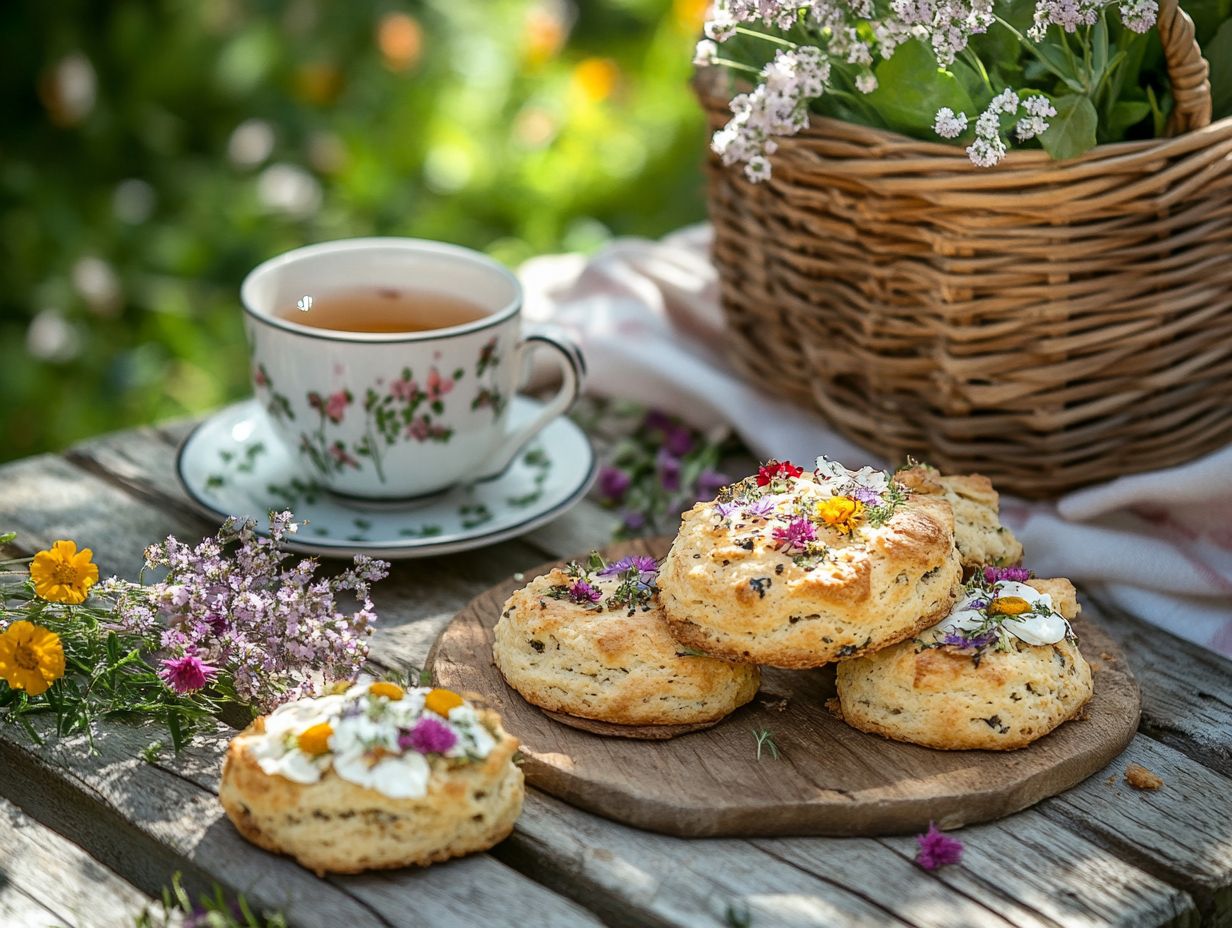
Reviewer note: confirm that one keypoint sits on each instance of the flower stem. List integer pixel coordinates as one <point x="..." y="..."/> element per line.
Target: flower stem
<point x="753" y="33"/>
<point x="737" y="65"/>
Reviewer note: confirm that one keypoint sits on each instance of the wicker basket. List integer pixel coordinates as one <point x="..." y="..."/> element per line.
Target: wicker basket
<point x="1049" y="324"/>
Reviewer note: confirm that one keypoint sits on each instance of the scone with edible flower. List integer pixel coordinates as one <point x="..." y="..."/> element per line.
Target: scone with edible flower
<point x="798" y="569"/>
<point x="978" y="532"/>
<point x="373" y="777"/>
<point x="1003" y="669"/>
<point x="590" y="641"/>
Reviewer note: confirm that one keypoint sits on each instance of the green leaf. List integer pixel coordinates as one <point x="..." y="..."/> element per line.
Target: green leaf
<point x="7" y="537"/>
<point x="1208" y="15"/>
<point x="1125" y="114"/>
<point x="1219" y="53"/>
<point x="1099" y="51"/>
<point x="1072" y="130"/>
<point x="911" y="88"/>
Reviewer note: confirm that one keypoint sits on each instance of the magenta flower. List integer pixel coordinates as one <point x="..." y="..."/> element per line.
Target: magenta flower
<point x="187" y="673"/>
<point x="632" y="521"/>
<point x="613" y="483"/>
<point x="795" y="535"/>
<point x="429" y="736"/>
<point x="335" y="406"/>
<point x="1017" y="574"/>
<point x="582" y="592"/>
<point x="937" y="849"/>
<point x="657" y="421"/>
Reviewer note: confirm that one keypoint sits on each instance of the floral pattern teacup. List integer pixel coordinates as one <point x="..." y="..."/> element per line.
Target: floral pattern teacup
<point x="396" y="415"/>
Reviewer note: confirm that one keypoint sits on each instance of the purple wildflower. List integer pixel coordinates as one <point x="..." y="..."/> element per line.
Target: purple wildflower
<point x="866" y="496"/>
<point x="657" y="421"/>
<point x="937" y="849"/>
<point x="795" y="535"/>
<point x="760" y="509"/>
<point x="725" y="510"/>
<point x="429" y="736"/>
<point x="643" y="563"/>
<point x="632" y="520"/>
<point x="613" y="483"/>
<point x="959" y="640"/>
<point x="582" y="592"/>
<point x="709" y="482"/>
<point x="678" y="440"/>
<point x="1017" y="574"/>
<point x="187" y="673"/>
<point x="667" y="466"/>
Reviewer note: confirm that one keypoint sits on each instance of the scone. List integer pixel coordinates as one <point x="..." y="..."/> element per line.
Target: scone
<point x="590" y="641"/>
<point x="1002" y="670"/>
<point x="978" y="532"/>
<point x="798" y="569"/>
<point x="373" y="778"/>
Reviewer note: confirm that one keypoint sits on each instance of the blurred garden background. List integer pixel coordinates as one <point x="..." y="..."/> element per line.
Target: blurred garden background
<point x="154" y="151"/>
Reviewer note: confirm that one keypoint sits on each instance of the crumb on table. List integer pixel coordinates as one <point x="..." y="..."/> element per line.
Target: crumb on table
<point x="1139" y="777"/>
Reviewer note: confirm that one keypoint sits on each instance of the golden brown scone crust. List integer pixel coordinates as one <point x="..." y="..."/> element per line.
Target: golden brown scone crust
<point x="334" y="826"/>
<point x="940" y="698"/>
<point x="883" y="584"/>
<point x="977" y="529"/>
<point x="978" y="532"/>
<point x="610" y="665"/>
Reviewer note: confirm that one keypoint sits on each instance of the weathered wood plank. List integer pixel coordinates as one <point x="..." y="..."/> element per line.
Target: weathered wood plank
<point x="152" y="819"/>
<point x="1186" y="689"/>
<point x="1181" y="833"/>
<point x="45" y="879"/>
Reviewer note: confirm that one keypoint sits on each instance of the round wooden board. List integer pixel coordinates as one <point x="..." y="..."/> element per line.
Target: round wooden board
<point x="829" y="779"/>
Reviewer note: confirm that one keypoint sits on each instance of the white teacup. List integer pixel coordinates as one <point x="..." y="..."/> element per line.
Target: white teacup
<point x="396" y="415"/>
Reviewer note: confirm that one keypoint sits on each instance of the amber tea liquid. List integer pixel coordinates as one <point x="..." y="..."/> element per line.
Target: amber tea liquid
<point x="383" y="309"/>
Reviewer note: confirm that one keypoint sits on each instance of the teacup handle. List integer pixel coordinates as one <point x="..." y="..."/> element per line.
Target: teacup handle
<point x="573" y="374"/>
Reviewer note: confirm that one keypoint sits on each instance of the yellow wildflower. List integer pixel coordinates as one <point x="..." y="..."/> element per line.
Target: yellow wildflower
<point x="63" y="574"/>
<point x="442" y="701"/>
<point x="841" y="513"/>
<point x="389" y="690"/>
<point x="31" y="658"/>
<point x="1008" y="605"/>
<point x="596" y="78"/>
<point x="315" y="740"/>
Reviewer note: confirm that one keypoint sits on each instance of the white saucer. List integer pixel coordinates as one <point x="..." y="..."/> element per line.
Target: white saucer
<point x="233" y="465"/>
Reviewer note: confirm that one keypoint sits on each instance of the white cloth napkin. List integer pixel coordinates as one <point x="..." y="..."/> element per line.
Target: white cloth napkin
<point x="647" y="318"/>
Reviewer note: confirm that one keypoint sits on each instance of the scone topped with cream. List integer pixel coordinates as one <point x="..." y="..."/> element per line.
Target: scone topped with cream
<point x="590" y="641"/>
<point x="797" y="569"/>
<point x="375" y="776"/>
<point x="978" y="532"/>
<point x="1003" y="669"/>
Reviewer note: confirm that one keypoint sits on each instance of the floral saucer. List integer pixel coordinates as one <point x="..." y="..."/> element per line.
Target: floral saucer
<point x="231" y="465"/>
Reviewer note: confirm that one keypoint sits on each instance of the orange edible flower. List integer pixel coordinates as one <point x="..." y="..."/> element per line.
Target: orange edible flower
<point x="31" y="657"/>
<point x="315" y="740"/>
<point x="389" y="690"/>
<point x="841" y="513"/>
<point x="1009" y="605"/>
<point x="63" y="574"/>
<point x="442" y="701"/>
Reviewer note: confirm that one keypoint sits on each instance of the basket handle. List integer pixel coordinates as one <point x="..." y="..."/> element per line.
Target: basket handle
<point x="1188" y="70"/>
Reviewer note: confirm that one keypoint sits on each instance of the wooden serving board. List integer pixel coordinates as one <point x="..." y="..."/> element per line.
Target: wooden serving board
<point x="829" y="779"/>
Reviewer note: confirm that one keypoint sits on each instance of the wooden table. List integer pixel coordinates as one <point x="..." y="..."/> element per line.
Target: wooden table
<point x="88" y="840"/>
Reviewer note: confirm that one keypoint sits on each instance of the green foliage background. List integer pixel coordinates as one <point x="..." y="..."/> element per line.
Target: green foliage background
<point x="129" y="216"/>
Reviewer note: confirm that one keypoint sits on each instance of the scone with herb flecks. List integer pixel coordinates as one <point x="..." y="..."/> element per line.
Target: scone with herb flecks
<point x="373" y="777"/>
<point x="1002" y="670"/>
<point x="978" y="532"/>
<point x="590" y="641"/>
<point x="798" y="569"/>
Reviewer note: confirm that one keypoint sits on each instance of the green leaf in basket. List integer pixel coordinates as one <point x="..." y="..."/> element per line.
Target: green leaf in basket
<point x="911" y="88"/>
<point x="1219" y="53"/>
<point x="1072" y="131"/>
<point x="1124" y="115"/>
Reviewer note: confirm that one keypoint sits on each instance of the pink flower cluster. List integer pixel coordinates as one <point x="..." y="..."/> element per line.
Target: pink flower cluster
<point x="235" y="606"/>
